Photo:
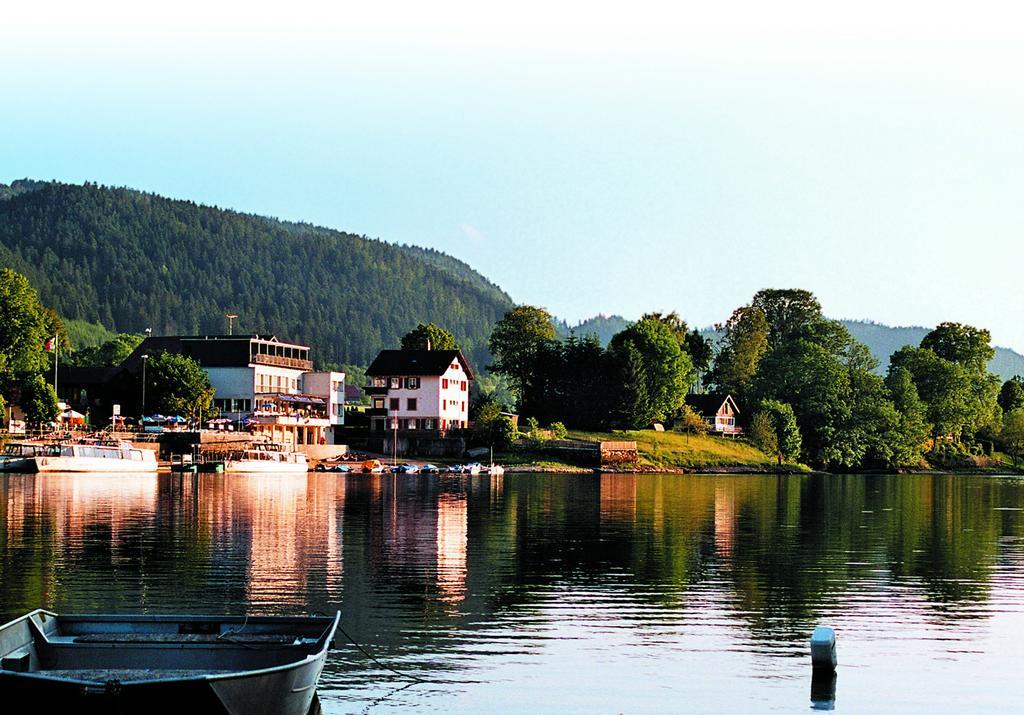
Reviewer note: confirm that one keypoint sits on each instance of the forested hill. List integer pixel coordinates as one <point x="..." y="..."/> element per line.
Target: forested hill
<point x="130" y="260"/>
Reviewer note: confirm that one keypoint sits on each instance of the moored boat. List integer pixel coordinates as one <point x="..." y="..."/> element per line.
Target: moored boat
<point x="94" y="455"/>
<point x="158" y="664"/>
<point x="19" y="456"/>
<point x="266" y="458"/>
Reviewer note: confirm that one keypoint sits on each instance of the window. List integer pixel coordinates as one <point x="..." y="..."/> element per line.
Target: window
<point x="428" y="424"/>
<point x="444" y="383"/>
<point x="380" y="382"/>
<point x="465" y="385"/>
<point x="412" y="383"/>
<point x="411" y="404"/>
<point x="411" y="424"/>
<point x="378" y="403"/>
<point x="394" y="404"/>
<point x="444" y="404"/>
<point x="396" y="383"/>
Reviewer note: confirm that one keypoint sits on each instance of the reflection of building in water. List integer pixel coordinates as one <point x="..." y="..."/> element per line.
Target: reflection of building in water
<point x="618" y="498"/>
<point x="76" y="502"/>
<point x="452" y="525"/>
<point x="725" y="519"/>
<point x="294" y="536"/>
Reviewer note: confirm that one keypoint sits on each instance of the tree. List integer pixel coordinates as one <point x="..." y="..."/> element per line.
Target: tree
<point x="177" y="385"/>
<point x="816" y="384"/>
<point x="1013" y="434"/>
<point x="689" y="421"/>
<point x="503" y="432"/>
<point x="428" y="336"/>
<point x="913" y="427"/>
<point x="39" y="401"/>
<point x="963" y="344"/>
<point x="514" y="343"/>
<point x="791" y="313"/>
<point x="110" y="354"/>
<point x="664" y="368"/>
<point x="762" y="434"/>
<point x="744" y="344"/>
<point x="23" y="328"/>
<point x="633" y="404"/>
<point x="784" y="441"/>
<point x="1011" y="395"/>
<point x="943" y="386"/>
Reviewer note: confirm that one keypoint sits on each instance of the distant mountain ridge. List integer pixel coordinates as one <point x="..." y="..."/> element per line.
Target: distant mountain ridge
<point x="129" y="260"/>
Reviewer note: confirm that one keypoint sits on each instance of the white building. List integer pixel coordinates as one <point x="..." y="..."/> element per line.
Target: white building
<point x="419" y="391"/>
<point x="264" y="382"/>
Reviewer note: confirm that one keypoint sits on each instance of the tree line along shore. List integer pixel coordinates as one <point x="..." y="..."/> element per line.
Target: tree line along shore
<point x="809" y="395"/>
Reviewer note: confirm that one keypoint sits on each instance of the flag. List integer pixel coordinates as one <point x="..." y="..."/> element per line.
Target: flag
<point x="50" y="344"/>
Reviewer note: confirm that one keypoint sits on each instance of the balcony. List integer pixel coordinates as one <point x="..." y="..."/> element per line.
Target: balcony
<point x="280" y="361"/>
<point x="378" y="390"/>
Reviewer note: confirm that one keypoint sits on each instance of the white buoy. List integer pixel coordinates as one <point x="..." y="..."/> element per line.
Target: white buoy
<point x="823" y="648"/>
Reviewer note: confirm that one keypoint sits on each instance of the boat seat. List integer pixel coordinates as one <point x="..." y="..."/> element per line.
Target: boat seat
<point x="164" y="638"/>
<point x="125" y="675"/>
<point x="18" y="661"/>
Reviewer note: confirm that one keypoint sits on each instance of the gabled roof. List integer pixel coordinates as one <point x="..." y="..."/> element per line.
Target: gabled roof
<point x="417" y="362"/>
<point x="710" y="403"/>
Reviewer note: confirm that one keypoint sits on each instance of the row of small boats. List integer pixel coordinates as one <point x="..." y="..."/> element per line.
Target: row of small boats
<point x="376" y="467"/>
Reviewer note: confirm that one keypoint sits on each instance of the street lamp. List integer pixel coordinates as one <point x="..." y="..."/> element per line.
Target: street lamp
<point x="143" y="415"/>
<point x="231" y="322"/>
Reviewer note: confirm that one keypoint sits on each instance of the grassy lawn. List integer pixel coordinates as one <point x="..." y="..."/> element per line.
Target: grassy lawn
<point x="672" y="449"/>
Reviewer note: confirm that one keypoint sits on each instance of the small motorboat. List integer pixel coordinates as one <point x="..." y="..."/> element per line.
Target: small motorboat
<point x="494" y="470"/>
<point x="163" y="664"/>
<point x="405" y="469"/>
<point x="472" y="468"/>
<point x="429" y="469"/>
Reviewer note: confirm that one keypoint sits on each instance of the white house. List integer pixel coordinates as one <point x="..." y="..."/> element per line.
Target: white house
<point x="419" y="390"/>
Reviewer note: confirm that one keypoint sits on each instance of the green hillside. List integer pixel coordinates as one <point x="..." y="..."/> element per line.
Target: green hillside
<point x="127" y="260"/>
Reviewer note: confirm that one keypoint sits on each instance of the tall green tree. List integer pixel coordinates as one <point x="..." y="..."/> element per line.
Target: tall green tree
<point x="944" y="387"/>
<point x="913" y="430"/>
<point x="791" y="313"/>
<point x="24" y="329"/>
<point x="429" y="336"/>
<point x="39" y="401"/>
<point x="665" y="368"/>
<point x="744" y="343"/>
<point x="963" y="344"/>
<point x="783" y="440"/>
<point x="515" y="341"/>
<point x="177" y="385"/>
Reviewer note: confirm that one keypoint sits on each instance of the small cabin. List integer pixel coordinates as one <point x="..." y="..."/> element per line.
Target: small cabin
<point x="718" y="410"/>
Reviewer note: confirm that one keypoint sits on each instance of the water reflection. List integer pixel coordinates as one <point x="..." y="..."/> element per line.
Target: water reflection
<point x="607" y="591"/>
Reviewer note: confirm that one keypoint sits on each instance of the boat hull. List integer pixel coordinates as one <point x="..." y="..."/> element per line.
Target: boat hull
<point x="93" y="464"/>
<point x="17" y="464"/>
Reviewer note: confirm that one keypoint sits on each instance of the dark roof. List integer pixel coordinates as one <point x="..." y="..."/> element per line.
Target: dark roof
<point x="711" y="403"/>
<point x="417" y="362"/>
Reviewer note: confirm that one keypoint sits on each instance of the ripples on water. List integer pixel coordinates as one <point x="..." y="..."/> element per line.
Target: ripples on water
<point x="563" y="593"/>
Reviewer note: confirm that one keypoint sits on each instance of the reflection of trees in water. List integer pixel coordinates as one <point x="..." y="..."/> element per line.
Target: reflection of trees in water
<point x="409" y="558"/>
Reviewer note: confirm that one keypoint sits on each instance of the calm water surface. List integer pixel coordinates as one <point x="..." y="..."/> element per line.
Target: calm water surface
<point x="544" y="593"/>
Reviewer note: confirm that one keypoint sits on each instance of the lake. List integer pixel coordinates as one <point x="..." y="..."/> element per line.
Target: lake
<point x="555" y="593"/>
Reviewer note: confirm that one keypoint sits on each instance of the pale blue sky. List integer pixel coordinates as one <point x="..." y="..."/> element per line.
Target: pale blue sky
<point x="585" y="160"/>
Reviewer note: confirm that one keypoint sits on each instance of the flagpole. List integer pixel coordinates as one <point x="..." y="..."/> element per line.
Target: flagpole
<point x="56" y="354"/>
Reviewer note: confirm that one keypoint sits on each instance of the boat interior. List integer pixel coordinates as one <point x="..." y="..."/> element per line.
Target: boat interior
<point x="98" y="649"/>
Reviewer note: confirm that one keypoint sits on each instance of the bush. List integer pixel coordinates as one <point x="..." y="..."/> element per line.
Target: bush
<point x="558" y="430"/>
<point x="503" y="433"/>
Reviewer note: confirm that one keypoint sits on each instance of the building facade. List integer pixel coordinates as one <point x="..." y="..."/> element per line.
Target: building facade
<point x="419" y="391"/>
